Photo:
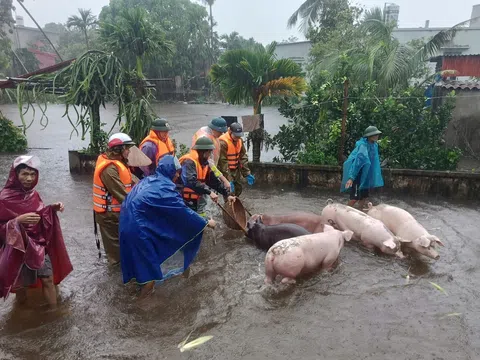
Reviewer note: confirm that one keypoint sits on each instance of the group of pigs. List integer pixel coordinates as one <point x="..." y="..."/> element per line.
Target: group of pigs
<point x="300" y="243"/>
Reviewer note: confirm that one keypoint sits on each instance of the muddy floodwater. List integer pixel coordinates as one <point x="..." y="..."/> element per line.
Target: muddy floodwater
<point x="364" y="309"/>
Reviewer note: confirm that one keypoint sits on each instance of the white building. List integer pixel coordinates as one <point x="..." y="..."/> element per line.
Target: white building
<point x="466" y="41"/>
<point x="298" y="52"/>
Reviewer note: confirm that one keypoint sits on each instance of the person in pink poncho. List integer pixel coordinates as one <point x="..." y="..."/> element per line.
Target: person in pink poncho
<point x="32" y="249"/>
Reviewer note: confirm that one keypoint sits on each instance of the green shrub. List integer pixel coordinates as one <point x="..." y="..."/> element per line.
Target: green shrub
<point x="413" y="133"/>
<point x="11" y="137"/>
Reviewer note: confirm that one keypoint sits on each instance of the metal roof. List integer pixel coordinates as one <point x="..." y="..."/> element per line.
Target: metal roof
<point x="459" y="85"/>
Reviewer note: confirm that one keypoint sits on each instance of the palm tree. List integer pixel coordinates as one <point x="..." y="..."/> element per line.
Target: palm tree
<point x="210" y="4"/>
<point x="252" y="75"/>
<point x="134" y="34"/>
<point x="317" y="11"/>
<point x="85" y="21"/>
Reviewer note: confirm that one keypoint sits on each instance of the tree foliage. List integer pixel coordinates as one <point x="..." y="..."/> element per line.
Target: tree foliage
<point x="134" y="34"/>
<point x="412" y="132"/>
<point x="184" y="23"/>
<point x="11" y="138"/>
<point x="83" y="22"/>
<point x="234" y="41"/>
<point x="252" y="75"/>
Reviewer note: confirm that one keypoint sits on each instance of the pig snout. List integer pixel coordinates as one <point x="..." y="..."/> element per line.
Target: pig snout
<point x="428" y="251"/>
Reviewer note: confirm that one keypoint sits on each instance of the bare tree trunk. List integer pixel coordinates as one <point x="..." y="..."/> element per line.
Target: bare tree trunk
<point x="95" y="128"/>
<point x="257" y="135"/>
<point x="86" y="38"/>
<point x="211" y="31"/>
<point x="341" y="148"/>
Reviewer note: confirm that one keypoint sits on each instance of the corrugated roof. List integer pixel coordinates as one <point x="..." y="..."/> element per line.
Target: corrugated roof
<point x="459" y="85"/>
<point x="7" y="83"/>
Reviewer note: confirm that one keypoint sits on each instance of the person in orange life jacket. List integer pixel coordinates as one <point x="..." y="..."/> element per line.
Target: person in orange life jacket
<point x="233" y="162"/>
<point x="156" y="145"/>
<point x="216" y="128"/>
<point x="112" y="181"/>
<point x="197" y="177"/>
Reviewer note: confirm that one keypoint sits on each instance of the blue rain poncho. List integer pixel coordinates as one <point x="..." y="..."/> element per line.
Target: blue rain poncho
<point x="159" y="235"/>
<point x="365" y="159"/>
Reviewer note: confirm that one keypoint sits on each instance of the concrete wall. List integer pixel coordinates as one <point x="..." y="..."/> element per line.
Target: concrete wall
<point x="464" y="129"/>
<point x="297" y="52"/>
<point x="457" y="185"/>
<point x="415" y="182"/>
<point x="23" y="36"/>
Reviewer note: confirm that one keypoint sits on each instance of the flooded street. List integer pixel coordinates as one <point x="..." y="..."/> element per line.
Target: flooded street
<point x="364" y="309"/>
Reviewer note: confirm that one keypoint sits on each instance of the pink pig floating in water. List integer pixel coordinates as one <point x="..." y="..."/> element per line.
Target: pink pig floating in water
<point x="304" y="254"/>
<point x="371" y="232"/>
<point x="404" y="225"/>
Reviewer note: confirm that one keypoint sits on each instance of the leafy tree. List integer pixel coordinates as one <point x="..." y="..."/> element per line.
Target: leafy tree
<point x="412" y="133"/>
<point x="291" y="39"/>
<point x="210" y="5"/>
<point x="234" y="42"/>
<point x="11" y="137"/>
<point x="6" y="18"/>
<point x="319" y="13"/>
<point x="184" y="23"/>
<point x="134" y="33"/>
<point x="85" y="21"/>
<point x="25" y="59"/>
<point x="253" y="75"/>
<point x="5" y="55"/>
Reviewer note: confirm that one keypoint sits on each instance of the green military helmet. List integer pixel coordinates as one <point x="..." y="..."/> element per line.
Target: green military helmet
<point x="160" y="124"/>
<point x="203" y="143"/>
<point x="371" y="131"/>
<point x="218" y="124"/>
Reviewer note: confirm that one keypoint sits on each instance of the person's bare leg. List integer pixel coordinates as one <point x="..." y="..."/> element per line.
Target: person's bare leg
<point x="147" y="289"/>
<point x="49" y="291"/>
<point x="21" y="296"/>
<point x="352" y="203"/>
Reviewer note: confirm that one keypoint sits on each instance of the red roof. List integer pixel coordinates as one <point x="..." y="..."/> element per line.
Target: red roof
<point x="464" y="65"/>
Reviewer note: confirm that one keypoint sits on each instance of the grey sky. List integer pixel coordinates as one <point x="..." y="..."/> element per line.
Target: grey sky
<point x="266" y="20"/>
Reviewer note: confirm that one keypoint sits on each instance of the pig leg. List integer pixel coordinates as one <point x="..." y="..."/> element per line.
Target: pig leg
<point x="329" y="263"/>
<point x="288" y="281"/>
<point x="269" y="270"/>
<point x="289" y="264"/>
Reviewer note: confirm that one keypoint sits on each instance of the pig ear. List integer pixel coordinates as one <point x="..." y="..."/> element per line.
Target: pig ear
<point x="327" y="227"/>
<point x="423" y="241"/>
<point x="402" y="240"/>
<point x="436" y="240"/>
<point x="329" y="202"/>
<point x="347" y="235"/>
<point x="369" y="206"/>
<point x="390" y="244"/>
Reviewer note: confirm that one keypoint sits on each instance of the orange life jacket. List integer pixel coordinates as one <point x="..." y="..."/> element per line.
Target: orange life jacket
<point x="162" y="148"/>
<point x="202" y="173"/>
<point x="204" y="132"/>
<point x="233" y="152"/>
<point x="102" y="200"/>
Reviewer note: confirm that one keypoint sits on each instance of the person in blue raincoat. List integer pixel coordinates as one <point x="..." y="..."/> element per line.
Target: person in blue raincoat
<point x="362" y="171"/>
<point x="153" y="231"/>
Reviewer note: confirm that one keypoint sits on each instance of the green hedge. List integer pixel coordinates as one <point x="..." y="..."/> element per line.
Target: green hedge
<point x="11" y="137"/>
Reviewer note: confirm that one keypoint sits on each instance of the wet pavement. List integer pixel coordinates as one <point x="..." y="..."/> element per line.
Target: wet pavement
<point x="365" y="309"/>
